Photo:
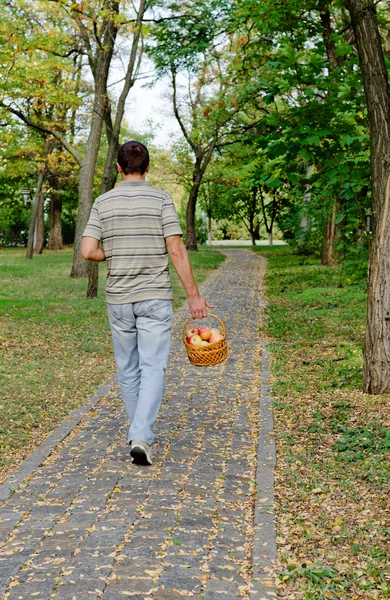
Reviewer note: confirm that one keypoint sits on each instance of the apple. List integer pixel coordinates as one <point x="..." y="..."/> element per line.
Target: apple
<point x="216" y="337"/>
<point x="204" y="343"/>
<point x="205" y="333"/>
<point x="192" y="331"/>
<point x="194" y="340"/>
<point x="214" y="330"/>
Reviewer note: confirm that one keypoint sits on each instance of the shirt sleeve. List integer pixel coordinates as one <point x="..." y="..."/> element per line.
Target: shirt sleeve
<point x="170" y="221"/>
<point x="94" y="226"/>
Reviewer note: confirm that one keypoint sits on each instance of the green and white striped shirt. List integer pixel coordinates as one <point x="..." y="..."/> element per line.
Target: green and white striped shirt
<point x="132" y="221"/>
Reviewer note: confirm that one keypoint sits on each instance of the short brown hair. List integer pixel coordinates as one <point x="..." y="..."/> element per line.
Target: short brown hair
<point x="133" y="157"/>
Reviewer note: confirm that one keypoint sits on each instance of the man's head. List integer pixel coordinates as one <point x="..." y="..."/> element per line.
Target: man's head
<point x="133" y="157"/>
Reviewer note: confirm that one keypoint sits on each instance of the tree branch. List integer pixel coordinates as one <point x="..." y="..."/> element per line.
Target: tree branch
<point x="43" y="129"/>
<point x="176" y="110"/>
<point x="76" y="51"/>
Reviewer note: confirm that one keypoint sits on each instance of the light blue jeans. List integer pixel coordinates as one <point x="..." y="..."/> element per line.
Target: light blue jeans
<point x="141" y="334"/>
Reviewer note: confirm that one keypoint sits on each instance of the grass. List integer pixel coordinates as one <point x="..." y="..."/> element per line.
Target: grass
<point x="55" y="345"/>
<point x="333" y="470"/>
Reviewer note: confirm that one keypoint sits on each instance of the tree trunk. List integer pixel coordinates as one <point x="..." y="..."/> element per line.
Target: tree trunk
<point x="34" y="214"/>
<point x="328" y="34"/>
<point x="110" y="168"/>
<point x="329" y="252"/>
<point x="87" y="170"/>
<point x="38" y="200"/>
<point x="377" y="92"/>
<point x="55" y="236"/>
<point x="39" y="237"/>
<point x="270" y="239"/>
<point x="35" y="210"/>
<point x="209" y="230"/>
<point x="252" y="229"/>
<point x="110" y="172"/>
<point x="201" y="163"/>
<point x="93" y="279"/>
<point x="191" y="224"/>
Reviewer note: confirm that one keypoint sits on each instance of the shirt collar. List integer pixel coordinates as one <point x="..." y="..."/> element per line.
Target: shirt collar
<point x="133" y="183"/>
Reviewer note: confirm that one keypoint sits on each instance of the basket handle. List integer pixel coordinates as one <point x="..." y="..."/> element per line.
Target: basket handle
<point x="187" y="322"/>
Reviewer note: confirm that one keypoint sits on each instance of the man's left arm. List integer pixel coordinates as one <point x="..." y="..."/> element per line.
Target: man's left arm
<point x="90" y="249"/>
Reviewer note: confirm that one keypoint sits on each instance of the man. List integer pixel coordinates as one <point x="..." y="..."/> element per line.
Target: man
<point x="138" y="227"/>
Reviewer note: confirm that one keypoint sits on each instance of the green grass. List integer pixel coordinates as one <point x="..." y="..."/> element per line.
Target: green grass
<point x="55" y="344"/>
<point x="333" y="471"/>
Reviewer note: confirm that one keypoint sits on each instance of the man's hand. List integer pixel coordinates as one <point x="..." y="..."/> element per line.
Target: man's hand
<point x="179" y="257"/>
<point x="198" y="306"/>
<point x="90" y="249"/>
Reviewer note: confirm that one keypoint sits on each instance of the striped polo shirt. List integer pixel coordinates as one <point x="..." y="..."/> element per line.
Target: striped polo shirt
<point x="132" y="221"/>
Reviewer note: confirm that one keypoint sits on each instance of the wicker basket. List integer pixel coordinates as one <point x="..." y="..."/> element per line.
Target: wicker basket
<point x="205" y="356"/>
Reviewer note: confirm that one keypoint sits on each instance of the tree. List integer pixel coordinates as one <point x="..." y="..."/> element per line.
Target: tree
<point x="209" y="111"/>
<point x="113" y="132"/>
<point x="61" y="183"/>
<point x="305" y="63"/>
<point x="377" y="92"/>
<point x="98" y="37"/>
<point x="328" y="252"/>
<point x="84" y="29"/>
<point x="37" y="89"/>
<point x="37" y="210"/>
<point x="206" y="125"/>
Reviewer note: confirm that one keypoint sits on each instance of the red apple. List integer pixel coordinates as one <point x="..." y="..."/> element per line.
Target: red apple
<point x="194" y="340"/>
<point x="217" y="337"/>
<point x="205" y="333"/>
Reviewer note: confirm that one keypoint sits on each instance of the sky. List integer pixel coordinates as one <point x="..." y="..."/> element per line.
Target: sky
<point x="145" y="105"/>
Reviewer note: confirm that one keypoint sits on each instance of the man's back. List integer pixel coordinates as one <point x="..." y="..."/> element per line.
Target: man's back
<point x="132" y="221"/>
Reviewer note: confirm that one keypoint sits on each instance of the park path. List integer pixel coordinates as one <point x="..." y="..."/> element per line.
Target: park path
<point x="88" y="524"/>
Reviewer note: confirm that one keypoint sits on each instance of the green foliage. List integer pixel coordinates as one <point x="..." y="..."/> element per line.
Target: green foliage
<point x="200" y="225"/>
<point x="16" y="173"/>
<point x="39" y="70"/>
<point x="181" y="40"/>
<point x="359" y="442"/>
<point x="313" y="139"/>
<point x="226" y="229"/>
<point x="14" y="223"/>
<point x="316" y="573"/>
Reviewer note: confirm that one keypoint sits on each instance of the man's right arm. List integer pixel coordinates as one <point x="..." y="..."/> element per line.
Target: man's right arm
<point x="90" y="249"/>
<point x="179" y="256"/>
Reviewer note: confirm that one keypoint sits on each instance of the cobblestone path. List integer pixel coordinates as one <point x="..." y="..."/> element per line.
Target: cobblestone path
<point x="87" y="524"/>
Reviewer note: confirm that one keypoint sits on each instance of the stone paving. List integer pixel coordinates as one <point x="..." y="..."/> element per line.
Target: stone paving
<point x="82" y="522"/>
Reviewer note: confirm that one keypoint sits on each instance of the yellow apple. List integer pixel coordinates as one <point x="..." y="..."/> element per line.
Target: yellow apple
<point x="194" y="340"/>
<point x="217" y="337"/>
